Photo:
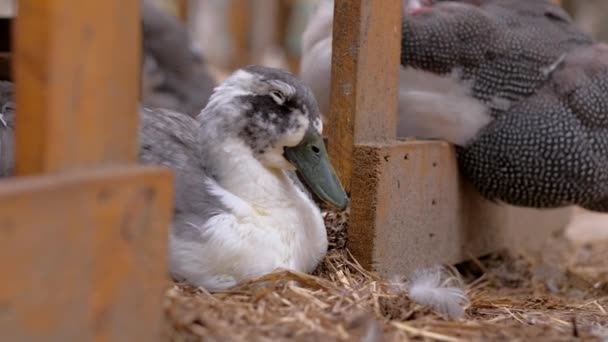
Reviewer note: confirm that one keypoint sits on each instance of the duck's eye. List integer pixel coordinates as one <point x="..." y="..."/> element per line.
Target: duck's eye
<point x="278" y="97"/>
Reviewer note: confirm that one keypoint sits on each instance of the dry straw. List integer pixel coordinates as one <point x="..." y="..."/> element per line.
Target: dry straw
<point x="558" y="295"/>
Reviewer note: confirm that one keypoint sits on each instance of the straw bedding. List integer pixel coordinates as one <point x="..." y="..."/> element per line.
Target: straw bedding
<point x="560" y="294"/>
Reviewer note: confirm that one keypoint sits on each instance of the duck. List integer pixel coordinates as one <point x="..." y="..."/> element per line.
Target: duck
<point x="240" y="211"/>
<point x="248" y="173"/>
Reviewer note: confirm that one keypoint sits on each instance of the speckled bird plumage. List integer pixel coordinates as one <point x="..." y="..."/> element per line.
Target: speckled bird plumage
<point x="542" y="80"/>
<point x="505" y="47"/>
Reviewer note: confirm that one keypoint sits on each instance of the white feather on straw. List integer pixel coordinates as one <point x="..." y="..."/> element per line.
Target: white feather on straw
<point x="439" y="288"/>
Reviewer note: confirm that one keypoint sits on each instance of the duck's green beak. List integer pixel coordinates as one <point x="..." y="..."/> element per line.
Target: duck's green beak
<point x="311" y="159"/>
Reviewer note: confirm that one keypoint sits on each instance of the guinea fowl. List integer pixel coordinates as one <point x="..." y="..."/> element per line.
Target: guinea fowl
<point x="546" y="144"/>
<point x="239" y="210"/>
<point x="542" y="80"/>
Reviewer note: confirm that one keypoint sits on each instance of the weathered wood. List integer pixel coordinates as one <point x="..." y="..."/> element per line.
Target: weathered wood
<point x="77" y="69"/>
<point x="83" y="247"/>
<point x="365" y="67"/>
<point x="83" y="255"/>
<point x="410" y="209"/>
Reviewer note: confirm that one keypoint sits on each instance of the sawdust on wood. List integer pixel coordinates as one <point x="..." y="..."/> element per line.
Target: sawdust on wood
<point x="558" y="295"/>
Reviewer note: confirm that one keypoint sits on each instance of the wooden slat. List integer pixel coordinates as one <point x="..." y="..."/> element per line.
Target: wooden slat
<point x="411" y="209"/>
<point x="365" y="68"/>
<point x="83" y="255"/>
<point x="77" y="71"/>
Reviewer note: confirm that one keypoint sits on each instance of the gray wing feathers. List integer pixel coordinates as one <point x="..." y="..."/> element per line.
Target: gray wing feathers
<point x="171" y="139"/>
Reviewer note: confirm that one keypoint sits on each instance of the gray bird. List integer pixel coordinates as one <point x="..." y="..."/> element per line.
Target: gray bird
<point x="239" y="210"/>
<point x="174" y="74"/>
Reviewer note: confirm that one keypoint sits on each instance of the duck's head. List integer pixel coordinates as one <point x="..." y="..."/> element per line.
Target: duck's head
<point x="275" y="115"/>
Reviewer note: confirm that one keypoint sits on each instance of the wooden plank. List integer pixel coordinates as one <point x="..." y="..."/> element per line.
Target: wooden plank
<point x="239" y="18"/>
<point x="77" y="74"/>
<point x="410" y="209"/>
<point x="83" y="255"/>
<point x="365" y="67"/>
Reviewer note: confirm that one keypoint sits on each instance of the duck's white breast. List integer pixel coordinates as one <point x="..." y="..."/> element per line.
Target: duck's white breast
<point x="277" y="227"/>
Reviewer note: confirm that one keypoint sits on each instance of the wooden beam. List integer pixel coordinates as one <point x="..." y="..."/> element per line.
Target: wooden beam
<point x="77" y="68"/>
<point x="365" y="69"/>
<point x="83" y="255"/>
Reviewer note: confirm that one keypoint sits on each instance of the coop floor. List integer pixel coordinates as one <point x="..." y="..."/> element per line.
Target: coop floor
<point x="557" y="295"/>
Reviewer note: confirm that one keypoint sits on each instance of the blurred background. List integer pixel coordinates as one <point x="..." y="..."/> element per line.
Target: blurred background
<point x="227" y="34"/>
<point x="233" y="33"/>
<point x="237" y="32"/>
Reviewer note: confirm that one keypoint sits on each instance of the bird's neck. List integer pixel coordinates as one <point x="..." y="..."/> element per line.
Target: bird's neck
<point x="238" y="171"/>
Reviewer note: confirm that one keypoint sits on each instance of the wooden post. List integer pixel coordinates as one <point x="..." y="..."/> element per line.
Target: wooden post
<point x="84" y="234"/>
<point x="409" y="207"/>
<point x="78" y="64"/>
<point x="365" y="68"/>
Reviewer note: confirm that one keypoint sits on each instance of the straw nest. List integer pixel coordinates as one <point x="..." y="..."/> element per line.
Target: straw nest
<point x="558" y="295"/>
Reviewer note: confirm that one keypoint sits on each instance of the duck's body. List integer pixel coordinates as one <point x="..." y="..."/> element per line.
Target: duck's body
<point x="241" y="223"/>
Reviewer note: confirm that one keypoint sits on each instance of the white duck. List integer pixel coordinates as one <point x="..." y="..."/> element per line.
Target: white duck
<point x="239" y="212"/>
